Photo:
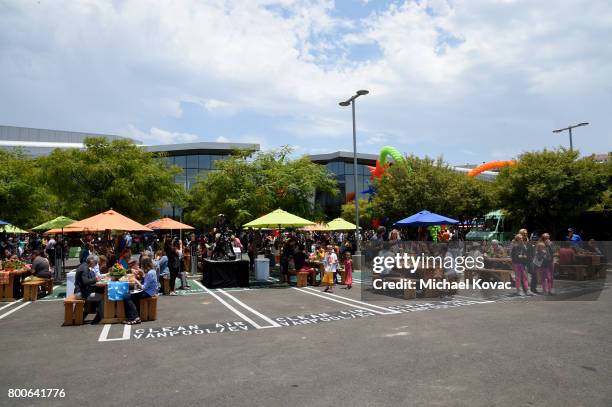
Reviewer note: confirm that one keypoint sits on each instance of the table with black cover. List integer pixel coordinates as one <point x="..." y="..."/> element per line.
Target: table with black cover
<point x="225" y="273"/>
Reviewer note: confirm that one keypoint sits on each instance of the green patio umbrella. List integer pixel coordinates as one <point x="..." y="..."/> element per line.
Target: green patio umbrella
<point x="278" y="219"/>
<point x="11" y="229"/>
<point x="57" y="223"/>
<point x="340" y="224"/>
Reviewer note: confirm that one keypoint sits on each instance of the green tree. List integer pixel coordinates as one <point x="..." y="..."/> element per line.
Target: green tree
<point x="249" y="184"/>
<point x="106" y="174"/>
<point x="547" y="189"/>
<point x="366" y="212"/>
<point x="432" y="185"/>
<point x="23" y="202"/>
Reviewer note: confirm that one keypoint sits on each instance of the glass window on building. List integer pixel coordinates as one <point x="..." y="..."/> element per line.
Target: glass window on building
<point x="181" y="180"/>
<point x="348" y="168"/>
<point x="204" y="162"/>
<point x="192" y="161"/>
<point x="181" y="161"/>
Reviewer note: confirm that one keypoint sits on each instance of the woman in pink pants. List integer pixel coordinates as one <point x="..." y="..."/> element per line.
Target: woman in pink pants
<point x="519" y="257"/>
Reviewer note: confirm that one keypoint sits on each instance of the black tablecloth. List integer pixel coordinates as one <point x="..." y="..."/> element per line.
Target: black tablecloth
<point x="225" y="274"/>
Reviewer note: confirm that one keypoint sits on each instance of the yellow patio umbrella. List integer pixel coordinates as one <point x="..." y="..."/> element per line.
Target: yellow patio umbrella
<point x="278" y="219"/>
<point x="317" y="227"/>
<point x="340" y="224"/>
<point x="8" y="228"/>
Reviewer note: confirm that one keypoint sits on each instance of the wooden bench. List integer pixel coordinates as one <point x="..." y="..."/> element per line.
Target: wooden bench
<point x="165" y="286"/>
<point x="148" y="309"/>
<point x="30" y="289"/>
<point x="302" y="279"/>
<point x="577" y="271"/>
<point x="73" y="311"/>
<point x="407" y="293"/>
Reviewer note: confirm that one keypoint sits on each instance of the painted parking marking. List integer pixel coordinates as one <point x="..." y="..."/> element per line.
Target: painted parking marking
<point x="352" y="300"/>
<point x="272" y="323"/>
<point x="10" y="304"/>
<point x="190" y="330"/>
<point x="6" y="314"/>
<point x="230" y="307"/>
<point x="106" y="329"/>
<point x="317" y="294"/>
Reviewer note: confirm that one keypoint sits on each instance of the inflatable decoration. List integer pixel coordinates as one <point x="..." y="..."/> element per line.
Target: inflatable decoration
<point x="379" y="170"/>
<point x="490" y="166"/>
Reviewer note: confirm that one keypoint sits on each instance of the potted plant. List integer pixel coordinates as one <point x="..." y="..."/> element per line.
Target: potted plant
<point x="14" y="265"/>
<point x="117" y="271"/>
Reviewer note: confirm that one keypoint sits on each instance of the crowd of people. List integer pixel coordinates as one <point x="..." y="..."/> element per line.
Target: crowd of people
<point x="151" y="258"/>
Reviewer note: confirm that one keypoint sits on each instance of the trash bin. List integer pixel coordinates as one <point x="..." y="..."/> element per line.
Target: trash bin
<point x="70" y="277"/>
<point x="262" y="269"/>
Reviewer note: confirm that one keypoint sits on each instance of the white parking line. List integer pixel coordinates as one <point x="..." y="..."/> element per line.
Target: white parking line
<point x="10" y="304"/>
<point x="127" y="331"/>
<point x="315" y="293"/>
<point x="14" y="309"/>
<point x="260" y="315"/>
<point x="228" y="306"/>
<point x="357" y="301"/>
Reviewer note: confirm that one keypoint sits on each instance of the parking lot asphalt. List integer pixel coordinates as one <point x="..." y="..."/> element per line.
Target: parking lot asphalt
<point x="289" y="346"/>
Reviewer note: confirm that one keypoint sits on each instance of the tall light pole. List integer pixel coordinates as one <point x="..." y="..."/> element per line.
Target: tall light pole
<point x="351" y="101"/>
<point x="569" y="129"/>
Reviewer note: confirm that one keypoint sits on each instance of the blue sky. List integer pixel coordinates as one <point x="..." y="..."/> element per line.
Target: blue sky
<point x="469" y="80"/>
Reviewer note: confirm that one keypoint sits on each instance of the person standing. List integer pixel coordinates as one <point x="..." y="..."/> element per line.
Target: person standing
<point x="348" y="270"/>
<point x="330" y="264"/>
<point x="50" y="250"/>
<point x="546" y="268"/>
<point x="174" y="263"/>
<point x="193" y="249"/>
<point x="518" y="254"/>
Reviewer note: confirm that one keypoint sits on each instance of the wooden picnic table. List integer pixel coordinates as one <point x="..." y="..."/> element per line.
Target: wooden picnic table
<point x="14" y="289"/>
<point x="114" y="311"/>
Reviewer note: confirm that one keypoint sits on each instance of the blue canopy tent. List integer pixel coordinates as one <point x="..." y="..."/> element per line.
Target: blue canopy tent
<point x="426" y="218"/>
<point x="3" y="222"/>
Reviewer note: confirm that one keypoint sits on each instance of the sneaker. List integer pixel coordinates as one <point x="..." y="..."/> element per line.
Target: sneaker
<point x="173" y="293"/>
<point x="529" y="294"/>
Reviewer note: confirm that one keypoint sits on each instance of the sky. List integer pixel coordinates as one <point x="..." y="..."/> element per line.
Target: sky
<point x="468" y="80"/>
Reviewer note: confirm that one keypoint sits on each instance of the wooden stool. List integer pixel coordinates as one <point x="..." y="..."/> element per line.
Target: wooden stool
<point x="148" y="309"/>
<point x="166" y="286"/>
<point x="30" y="290"/>
<point x="48" y="286"/>
<point x="73" y="311"/>
<point x="302" y="279"/>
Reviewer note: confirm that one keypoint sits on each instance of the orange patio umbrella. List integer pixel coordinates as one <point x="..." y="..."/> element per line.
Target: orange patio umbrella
<point x="168" y="224"/>
<point x="63" y="230"/>
<point x="109" y="220"/>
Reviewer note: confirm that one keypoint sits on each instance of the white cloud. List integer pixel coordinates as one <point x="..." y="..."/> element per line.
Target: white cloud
<point x="481" y="74"/>
<point x="160" y="136"/>
<point x="222" y="139"/>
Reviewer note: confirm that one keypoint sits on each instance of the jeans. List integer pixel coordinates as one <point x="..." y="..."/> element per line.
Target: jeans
<point x="132" y="305"/>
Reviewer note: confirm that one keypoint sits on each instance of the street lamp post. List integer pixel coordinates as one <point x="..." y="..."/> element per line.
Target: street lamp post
<point x="569" y="129"/>
<point x="351" y="101"/>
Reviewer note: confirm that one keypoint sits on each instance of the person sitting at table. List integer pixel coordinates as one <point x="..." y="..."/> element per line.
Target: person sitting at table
<point x="567" y="254"/>
<point x="149" y="289"/>
<point x="495" y="250"/>
<point x="84" y="286"/>
<point x="299" y="261"/>
<point x="40" y="265"/>
<point x="125" y="257"/>
<point x="135" y="270"/>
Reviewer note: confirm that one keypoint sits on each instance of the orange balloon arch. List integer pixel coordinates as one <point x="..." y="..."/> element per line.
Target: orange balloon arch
<point x="491" y="166"/>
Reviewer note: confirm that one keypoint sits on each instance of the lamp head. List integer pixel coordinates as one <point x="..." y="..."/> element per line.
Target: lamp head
<point x="362" y="92"/>
<point x="346" y="103"/>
